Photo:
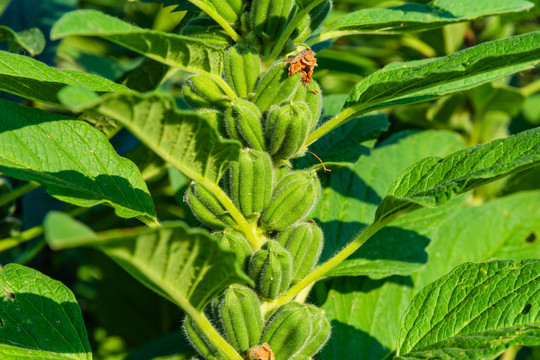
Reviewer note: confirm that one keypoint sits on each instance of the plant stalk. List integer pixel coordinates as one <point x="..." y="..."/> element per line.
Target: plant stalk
<point x="18" y="192"/>
<point x="331" y="124"/>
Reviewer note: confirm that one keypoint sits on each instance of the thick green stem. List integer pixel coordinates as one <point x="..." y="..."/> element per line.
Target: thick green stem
<point x="220" y="20"/>
<point x="18" y="192"/>
<point x="531" y="88"/>
<point x="280" y="44"/>
<point x="244" y="225"/>
<point x="322" y="269"/>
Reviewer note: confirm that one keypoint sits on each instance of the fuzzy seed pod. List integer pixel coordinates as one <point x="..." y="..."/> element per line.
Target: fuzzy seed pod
<point x="288" y="330"/>
<point x="287" y="129"/>
<point x="205" y="28"/>
<point x="230" y="10"/>
<point x="243" y="121"/>
<point x="313" y="99"/>
<point x="242" y="69"/>
<point x="270" y="17"/>
<point x="316" y="17"/>
<point x="280" y="173"/>
<point x="199" y="341"/>
<point x="237" y="242"/>
<point x="293" y="198"/>
<point x="207" y="208"/>
<point x="201" y="92"/>
<point x="275" y="87"/>
<point x="320" y="333"/>
<point x="250" y="182"/>
<point x="241" y="318"/>
<point x="304" y="242"/>
<point x="271" y="268"/>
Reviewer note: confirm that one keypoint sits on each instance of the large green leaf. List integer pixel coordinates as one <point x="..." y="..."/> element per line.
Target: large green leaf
<point x="474" y="312"/>
<point x="31" y="40"/>
<point x="29" y="78"/>
<point x="175" y="50"/>
<point x="403" y="83"/>
<point x="351" y="195"/>
<point x="416" y="17"/>
<point x="366" y="313"/>
<point x="187" y="266"/>
<point x="183" y="138"/>
<point x="40" y="318"/>
<point x="433" y="181"/>
<point x="72" y="160"/>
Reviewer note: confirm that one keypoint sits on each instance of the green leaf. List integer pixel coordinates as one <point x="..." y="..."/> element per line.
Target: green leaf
<point x="29" y="78"/>
<point x="474" y="312"/>
<point x="175" y="50"/>
<point x="40" y="318"/>
<point x="403" y="83"/>
<point x="351" y="195"/>
<point x="433" y="181"/>
<point x="186" y="266"/>
<point x="366" y="313"/>
<point x="31" y="40"/>
<point x="183" y="138"/>
<point x="418" y="17"/>
<point x="72" y="160"/>
<point x="344" y="145"/>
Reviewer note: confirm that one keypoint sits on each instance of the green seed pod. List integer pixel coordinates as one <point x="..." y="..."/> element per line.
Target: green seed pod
<point x="287" y="129"/>
<point x="280" y="173"/>
<point x="199" y="341"/>
<point x="293" y="198"/>
<point x="207" y="208"/>
<point x="320" y="333"/>
<point x="313" y="100"/>
<point x="270" y="17"/>
<point x="205" y="28"/>
<point x="271" y="268"/>
<point x="230" y="10"/>
<point x="238" y="243"/>
<point x="242" y="69"/>
<point x="243" y="121"/>
<point x="241" y="318"/>
<point x="251" y="182"/>
<point x="275" y="86"/>
<point x="288" y="330"/>
<point x="304" y="242"/>
<point x="201" y="92"/>
<point x="316" y="17"/>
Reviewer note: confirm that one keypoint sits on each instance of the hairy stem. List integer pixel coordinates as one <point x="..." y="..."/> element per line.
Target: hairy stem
<point x="214" y="15"/>
<point x="18" y="192"/>
<point x="322" y="269"/>
<point x="331" y="124"/>
<point x="280" y="44"/>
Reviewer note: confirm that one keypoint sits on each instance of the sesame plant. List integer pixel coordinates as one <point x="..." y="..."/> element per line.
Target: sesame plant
<point x="284" y="223"/>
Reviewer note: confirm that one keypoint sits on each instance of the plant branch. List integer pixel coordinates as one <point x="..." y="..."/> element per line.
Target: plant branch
<point x="280" y="44"/>
<point x="331" y="124"/>
<point x="220" y="20"/>
<point x="322" y="269"/>
<point x="18" y="192"/>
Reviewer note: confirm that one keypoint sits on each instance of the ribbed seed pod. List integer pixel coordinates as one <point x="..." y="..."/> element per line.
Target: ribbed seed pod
<point x="241" y="318"/>
<point x="271" y="268"/>
<point x="242" y="69"/>
<point x="316" y="17"/>
<point x="320" y="332"/>
<point x="250" y="181"/>
<point x="293" y="198"/>
<point x="205" y="28"/>
<point x="230" y="10"/>
<point x="280" y="173"/>
<point x="275" y="87"/>
<point x="201" y="92"/>
<point x="270" y="17"/>
<point x="304" y="242"/>
<point x="286" y="129"/>
<point x="238" y="243"/>
<point x="288" y="330"/>
<point x="200" y="342"/>
<point x="207" y="208"/>
<point x="243" y="121"/>
<point x="313" y="100"/>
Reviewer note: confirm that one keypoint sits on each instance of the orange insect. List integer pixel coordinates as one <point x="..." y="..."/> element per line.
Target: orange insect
<point x="304" y="62"/>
